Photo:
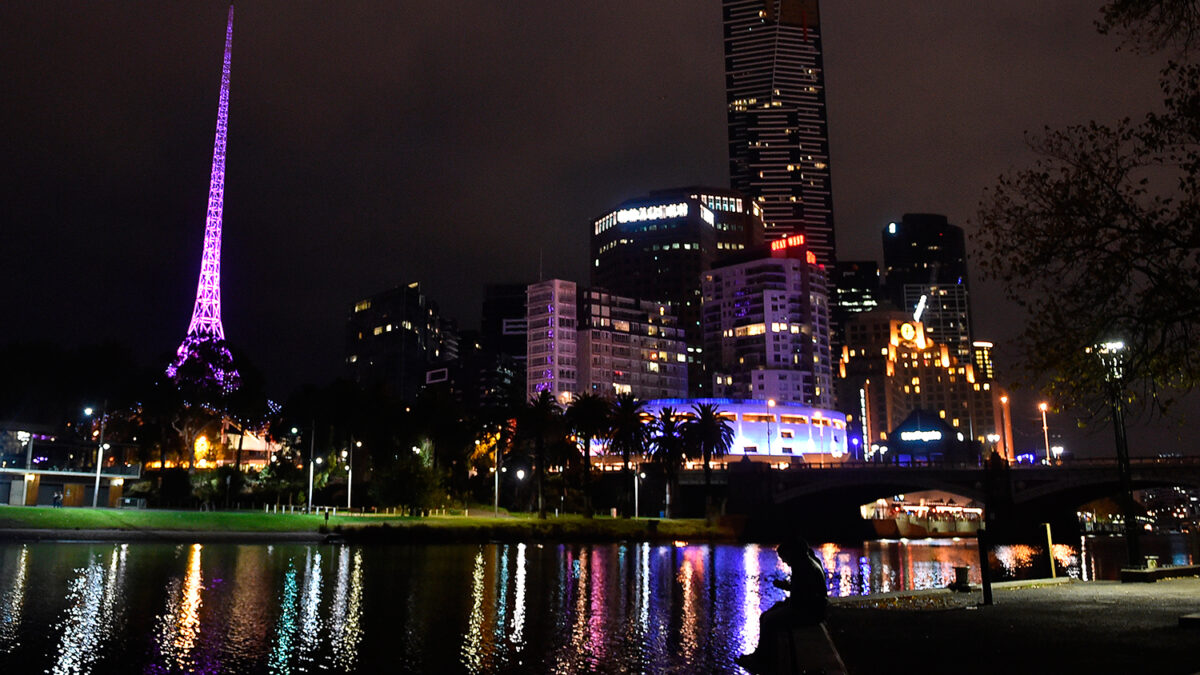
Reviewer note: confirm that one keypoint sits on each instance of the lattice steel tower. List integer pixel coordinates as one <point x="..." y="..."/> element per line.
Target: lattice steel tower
<point x="204" y="345"/>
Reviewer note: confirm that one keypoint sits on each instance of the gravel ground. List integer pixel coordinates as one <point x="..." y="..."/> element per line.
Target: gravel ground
<point x="1081" y="627"/>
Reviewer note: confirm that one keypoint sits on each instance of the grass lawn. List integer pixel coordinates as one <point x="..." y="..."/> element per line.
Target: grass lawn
<point x="135" y="519"/>
<point x="563" y="528"/>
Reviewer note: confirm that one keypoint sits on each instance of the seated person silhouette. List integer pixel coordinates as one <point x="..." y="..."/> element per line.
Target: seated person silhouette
<point x="782" y="627"/>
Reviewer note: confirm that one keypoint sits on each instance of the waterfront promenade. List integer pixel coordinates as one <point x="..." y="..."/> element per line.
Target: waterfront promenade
<point x="1075" y="627"/>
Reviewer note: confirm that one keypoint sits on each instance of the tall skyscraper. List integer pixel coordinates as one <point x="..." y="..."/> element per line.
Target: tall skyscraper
<point x="204" y="345"/>
<point x="656" y="247"/>
<point x="925" y="260"/>
<point x="395" y="338"/>
<point x="766" y="327"/>
<point x="778" y="135"/>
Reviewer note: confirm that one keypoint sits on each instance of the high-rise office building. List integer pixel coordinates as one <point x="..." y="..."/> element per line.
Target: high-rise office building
<point x="856" y="287"/>
<point x="502" y="326"/>
<point x="778" y="134"/>
<point x="591" y="341"/>
<point x="766" y="327"/>
<point x="656" y="247"/>
<point x="925" y="262"/>
<point x="890" y="368"/>
<point x="395" y="338"/>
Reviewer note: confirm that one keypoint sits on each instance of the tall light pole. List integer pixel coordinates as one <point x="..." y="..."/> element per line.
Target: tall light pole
<point x="1112" y="357"/>
<point x="1043" y="406"/>
<point x="637" y="478"/>
<point x="350" y="472"/>
<point x="312" y="447"/>
<point x="99" y="451"/>
<point x="496" y="478"/>
<point x="1007" y="426"/>
<point x="770" y="417"/>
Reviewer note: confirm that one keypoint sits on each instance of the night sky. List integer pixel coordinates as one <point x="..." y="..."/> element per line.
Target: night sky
<point x="455" y="144"/>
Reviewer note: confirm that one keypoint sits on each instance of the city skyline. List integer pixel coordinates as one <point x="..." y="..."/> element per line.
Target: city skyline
<point x="341" y="184"/>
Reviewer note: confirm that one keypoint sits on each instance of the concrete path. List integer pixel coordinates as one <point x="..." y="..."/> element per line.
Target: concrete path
<point x="1082" y="627"/>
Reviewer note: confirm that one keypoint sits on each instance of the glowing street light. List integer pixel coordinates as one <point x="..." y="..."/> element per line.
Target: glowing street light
<point x="1043" y="406"/>
<point x="637" y="478"/>
<point x="1006" y="428"/>
<point x="100" y="448"/>
<point x="1112" y="358"/>
<point x="770" y="416"/>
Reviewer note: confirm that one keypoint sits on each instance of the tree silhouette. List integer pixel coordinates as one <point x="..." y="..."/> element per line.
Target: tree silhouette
<point x="539" y="421"/>
<point x="668" y="448"/>
<point x="1109" y="249"/>
<point x="629" y="434"/>
<point x="587" y="417"/>
<point x="712" y="436"/>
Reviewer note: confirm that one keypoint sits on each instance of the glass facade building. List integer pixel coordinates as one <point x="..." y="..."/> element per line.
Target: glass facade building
<point x="778" y="133"/>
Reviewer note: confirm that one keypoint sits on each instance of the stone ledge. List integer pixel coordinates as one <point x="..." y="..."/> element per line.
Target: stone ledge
<point x="1136" y="575"/>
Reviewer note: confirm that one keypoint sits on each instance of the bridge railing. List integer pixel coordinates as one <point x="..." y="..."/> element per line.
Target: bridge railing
<point x="818" y="465"/>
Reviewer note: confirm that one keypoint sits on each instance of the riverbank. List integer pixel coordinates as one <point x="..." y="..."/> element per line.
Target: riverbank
<point x="1078" y="627"/>
<point x="40" y="523"/>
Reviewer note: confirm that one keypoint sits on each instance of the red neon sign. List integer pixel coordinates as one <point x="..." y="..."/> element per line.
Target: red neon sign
<point x="794" y="240"/>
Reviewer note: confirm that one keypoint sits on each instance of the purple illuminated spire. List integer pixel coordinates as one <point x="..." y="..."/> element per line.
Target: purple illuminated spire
<point x="205" y="326"/>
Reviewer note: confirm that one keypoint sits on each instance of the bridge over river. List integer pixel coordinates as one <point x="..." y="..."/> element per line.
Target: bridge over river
<point x="1012" y="492"/>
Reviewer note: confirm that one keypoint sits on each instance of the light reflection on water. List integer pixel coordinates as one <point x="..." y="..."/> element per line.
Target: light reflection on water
<point x="13" y="599"/>
<point x="638" y="607"/>
<point x="92" y="615"/>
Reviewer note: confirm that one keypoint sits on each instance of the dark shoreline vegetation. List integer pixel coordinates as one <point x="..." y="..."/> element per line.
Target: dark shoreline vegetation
<point x="246" y="526"/>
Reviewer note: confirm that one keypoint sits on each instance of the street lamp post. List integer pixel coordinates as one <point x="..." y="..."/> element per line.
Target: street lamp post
<point x="1043" y="406"/>
<point x="770" y="417"/>
<point x="312" y="448"/>
<point x="1006" y="426"/>
<point x="350" y="472"/>
<point x="637" y="478"/>
<point x="496" y="480"/>
<point x="99" y="452"/>
<point x="1112" y="356"/>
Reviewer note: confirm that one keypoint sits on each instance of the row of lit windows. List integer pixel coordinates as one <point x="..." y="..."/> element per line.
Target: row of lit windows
<point x="717" y="203"/>
<point x="379" y="330"/>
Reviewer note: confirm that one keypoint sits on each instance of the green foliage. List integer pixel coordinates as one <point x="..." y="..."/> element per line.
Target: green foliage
<point x="1100" y="241"/>
<point x="409" y="483"/>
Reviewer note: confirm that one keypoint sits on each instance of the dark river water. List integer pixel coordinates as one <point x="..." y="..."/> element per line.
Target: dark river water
<point x="293" y="608"/>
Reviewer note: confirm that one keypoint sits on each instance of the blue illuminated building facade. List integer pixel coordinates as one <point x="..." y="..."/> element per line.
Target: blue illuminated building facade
<point x="771" y="431"/>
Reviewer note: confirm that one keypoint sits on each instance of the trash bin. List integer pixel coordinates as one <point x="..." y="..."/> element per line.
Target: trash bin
<point x="1151" y="562"/>
<point x="962" y="582"/>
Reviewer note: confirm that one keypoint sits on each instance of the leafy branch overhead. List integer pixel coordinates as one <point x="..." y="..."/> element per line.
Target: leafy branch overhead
<point x="1100" y="240"/>
<point x="1153" y="25"/>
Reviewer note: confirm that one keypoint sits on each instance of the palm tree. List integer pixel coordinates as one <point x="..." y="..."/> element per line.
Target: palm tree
<point x="587" y="417"/>
<point x="712" y="435"/>
<point x="538" y="420"/>
<point x="628" y="432"/>
<point x="668" y="446"/>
